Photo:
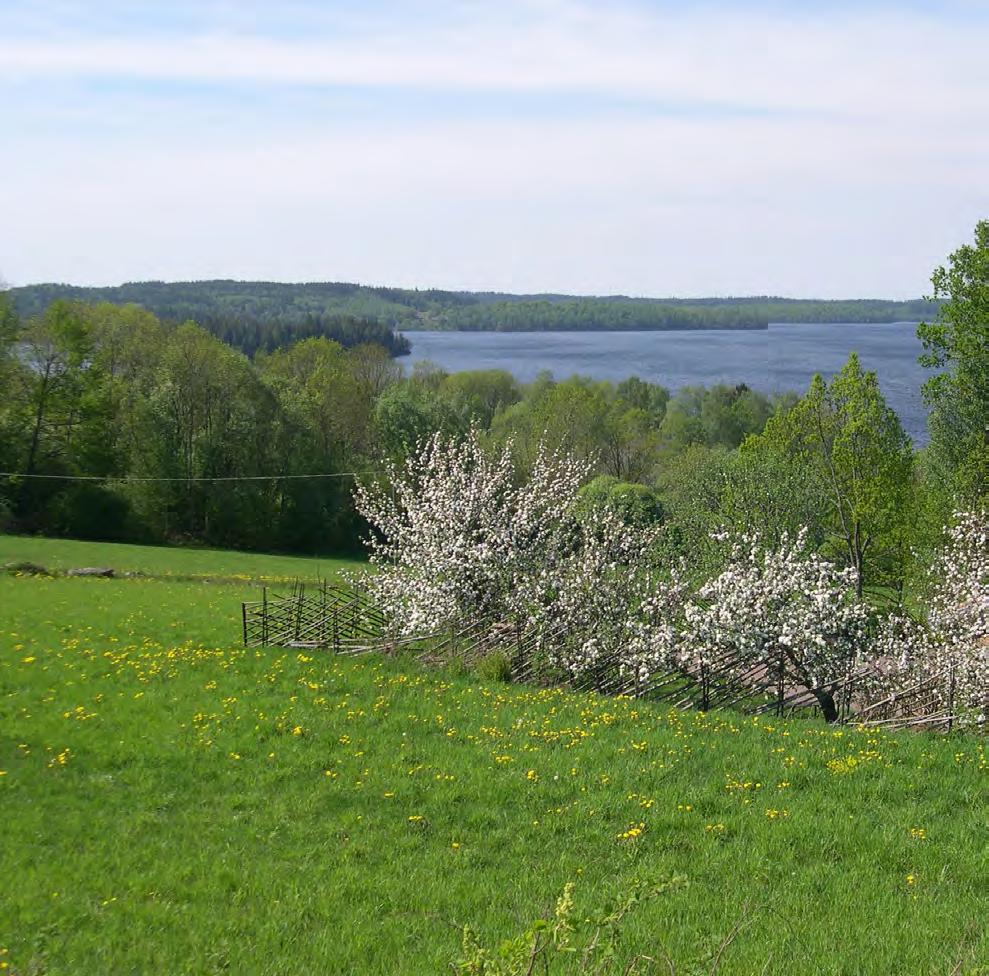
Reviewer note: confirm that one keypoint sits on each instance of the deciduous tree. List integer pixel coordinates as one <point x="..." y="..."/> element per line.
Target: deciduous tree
<point x="956" y="344"/>
<point x="847" y="443"/>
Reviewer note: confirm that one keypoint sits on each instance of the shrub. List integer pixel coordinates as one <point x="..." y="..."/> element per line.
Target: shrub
<point x="495" y="666"/>
<point x="25" y="569"/>
<point x="569" y="942"/>
<point x="89" y="511"/>
<point x="636" y="505"/>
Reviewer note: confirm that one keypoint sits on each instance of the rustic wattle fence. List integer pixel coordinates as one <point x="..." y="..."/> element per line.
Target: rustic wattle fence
<point x="321" y="615"/>
<point x="344" y="620"/>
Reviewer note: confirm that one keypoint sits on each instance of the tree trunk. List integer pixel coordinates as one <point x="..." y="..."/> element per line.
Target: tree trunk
<point x="826" y="700"/>
<point x="858" y="559"/>
<point x="39" y="418"/>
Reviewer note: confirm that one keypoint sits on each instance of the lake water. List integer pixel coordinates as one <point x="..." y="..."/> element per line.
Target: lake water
<point x="782" y="357"/>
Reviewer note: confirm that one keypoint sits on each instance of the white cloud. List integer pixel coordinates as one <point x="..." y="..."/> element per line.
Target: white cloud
<point x="845" y="155"/>
<point x="851" y="62"/>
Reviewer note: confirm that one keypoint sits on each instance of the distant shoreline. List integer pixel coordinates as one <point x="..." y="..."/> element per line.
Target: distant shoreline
<point x="253" y="315"/>
<point x="758" y="327"/>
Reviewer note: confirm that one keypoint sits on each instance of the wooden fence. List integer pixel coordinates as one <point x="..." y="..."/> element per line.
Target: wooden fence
<point x="313" y="615"/>
<point x="344" y="620"/>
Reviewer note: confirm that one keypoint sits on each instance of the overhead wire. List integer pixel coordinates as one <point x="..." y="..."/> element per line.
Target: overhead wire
<point x="243" y="477"/>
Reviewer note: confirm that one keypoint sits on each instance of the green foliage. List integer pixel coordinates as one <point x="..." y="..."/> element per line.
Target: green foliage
<point x="479" y="395"/>
<point x="194" y="439"/>
<point x="636" y="505"/>
<point x="88" y="511"/>
<point x="641" y="395"/>
<point x="59" y="409"/>
<point x="591" y="419"/>
<point x="496" y="667"/>
<point x="252" y="336"/>
<point x="843" y="440"/>
<point x="718" y="415"/>
<point x="570" y="416"/>
<point x="957" y="344"/>
<point x="568" y="942"/>
<point x="8" y="319"/>
<point x="406" y="415"/>
<point x="691" y="485"/>
<point x="772" y="493"/>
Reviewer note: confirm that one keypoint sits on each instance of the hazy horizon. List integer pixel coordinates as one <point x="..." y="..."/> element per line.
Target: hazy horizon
<point x="455" y="290"/>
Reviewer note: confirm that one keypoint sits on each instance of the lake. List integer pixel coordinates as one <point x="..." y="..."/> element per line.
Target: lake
<point x="782" y="357"/>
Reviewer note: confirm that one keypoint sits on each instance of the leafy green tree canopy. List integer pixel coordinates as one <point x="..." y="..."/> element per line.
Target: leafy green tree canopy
<point x="957" y="344"/>
<point x="844" y="439"/>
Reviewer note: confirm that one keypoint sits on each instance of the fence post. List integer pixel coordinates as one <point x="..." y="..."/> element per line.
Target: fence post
<point x="780" y="687"/>
<point x="951" y="695"/>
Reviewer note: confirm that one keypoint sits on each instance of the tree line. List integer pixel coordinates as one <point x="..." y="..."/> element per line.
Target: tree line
<point x="267" y="307"/>
<point x="118" y="425"/>
<point x="252" y="335"/>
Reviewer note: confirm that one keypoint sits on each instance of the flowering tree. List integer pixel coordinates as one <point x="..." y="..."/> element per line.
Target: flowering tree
<point x="450" y="529"/>
<point x="455" y="534"/>
<point x="657" y="631"/>
<point x="945" y="657"/>
<point x="587" y="597"/>
<point x="774" y="615"/>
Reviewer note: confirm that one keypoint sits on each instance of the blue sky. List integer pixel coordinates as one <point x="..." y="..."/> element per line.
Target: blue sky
<point x="817" y="149"/>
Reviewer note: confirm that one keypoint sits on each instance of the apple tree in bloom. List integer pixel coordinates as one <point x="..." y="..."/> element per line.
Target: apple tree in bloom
<point x="657" y="635"/>
<point x="775" y="615"/>
<point x="457" y="536"/>
<point x="945" y="656"/>
<point x="587" y="595"/>
<point x="453" y="529"/>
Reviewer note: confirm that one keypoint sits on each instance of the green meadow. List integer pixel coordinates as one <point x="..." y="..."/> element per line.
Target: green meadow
<point x="172" y="802"/>
<point x="59" y="555"/>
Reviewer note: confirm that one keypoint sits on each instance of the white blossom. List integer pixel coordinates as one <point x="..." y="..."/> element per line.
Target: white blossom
<point x="939" y="665"/>
<point x="458" y="537"/>
<point x="774" y="616"/>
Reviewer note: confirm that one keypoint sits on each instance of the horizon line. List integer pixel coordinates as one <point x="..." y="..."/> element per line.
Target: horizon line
<point x="463" y="291"/>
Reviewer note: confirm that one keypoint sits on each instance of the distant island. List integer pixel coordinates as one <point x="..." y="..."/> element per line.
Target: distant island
<point x="264" y="315"/>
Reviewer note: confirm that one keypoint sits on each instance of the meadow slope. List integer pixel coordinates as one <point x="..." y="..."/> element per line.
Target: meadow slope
<point x="173" y="802"/>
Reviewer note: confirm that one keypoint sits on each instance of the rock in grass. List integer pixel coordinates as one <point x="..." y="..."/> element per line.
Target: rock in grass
<point x="24" y="568"/>
<point x="92" y="571"/>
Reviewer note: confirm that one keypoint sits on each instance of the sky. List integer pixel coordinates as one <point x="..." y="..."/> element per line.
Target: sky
<point x="805" y="149"/>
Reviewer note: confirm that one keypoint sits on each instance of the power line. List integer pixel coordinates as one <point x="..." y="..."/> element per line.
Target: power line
<point x="244" y="477"/>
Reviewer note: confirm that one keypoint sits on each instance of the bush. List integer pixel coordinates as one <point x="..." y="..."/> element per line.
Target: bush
<point x="495" y="666"/>
<point x="636" y="505"/>
<point x="89" y="511"/>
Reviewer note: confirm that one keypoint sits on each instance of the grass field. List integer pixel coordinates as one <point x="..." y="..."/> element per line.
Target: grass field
<point x="174" y="803"/>
<point x="162" y="561"/>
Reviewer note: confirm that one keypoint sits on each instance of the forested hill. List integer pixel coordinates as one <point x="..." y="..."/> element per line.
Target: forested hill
<point x="256" y="314"/>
